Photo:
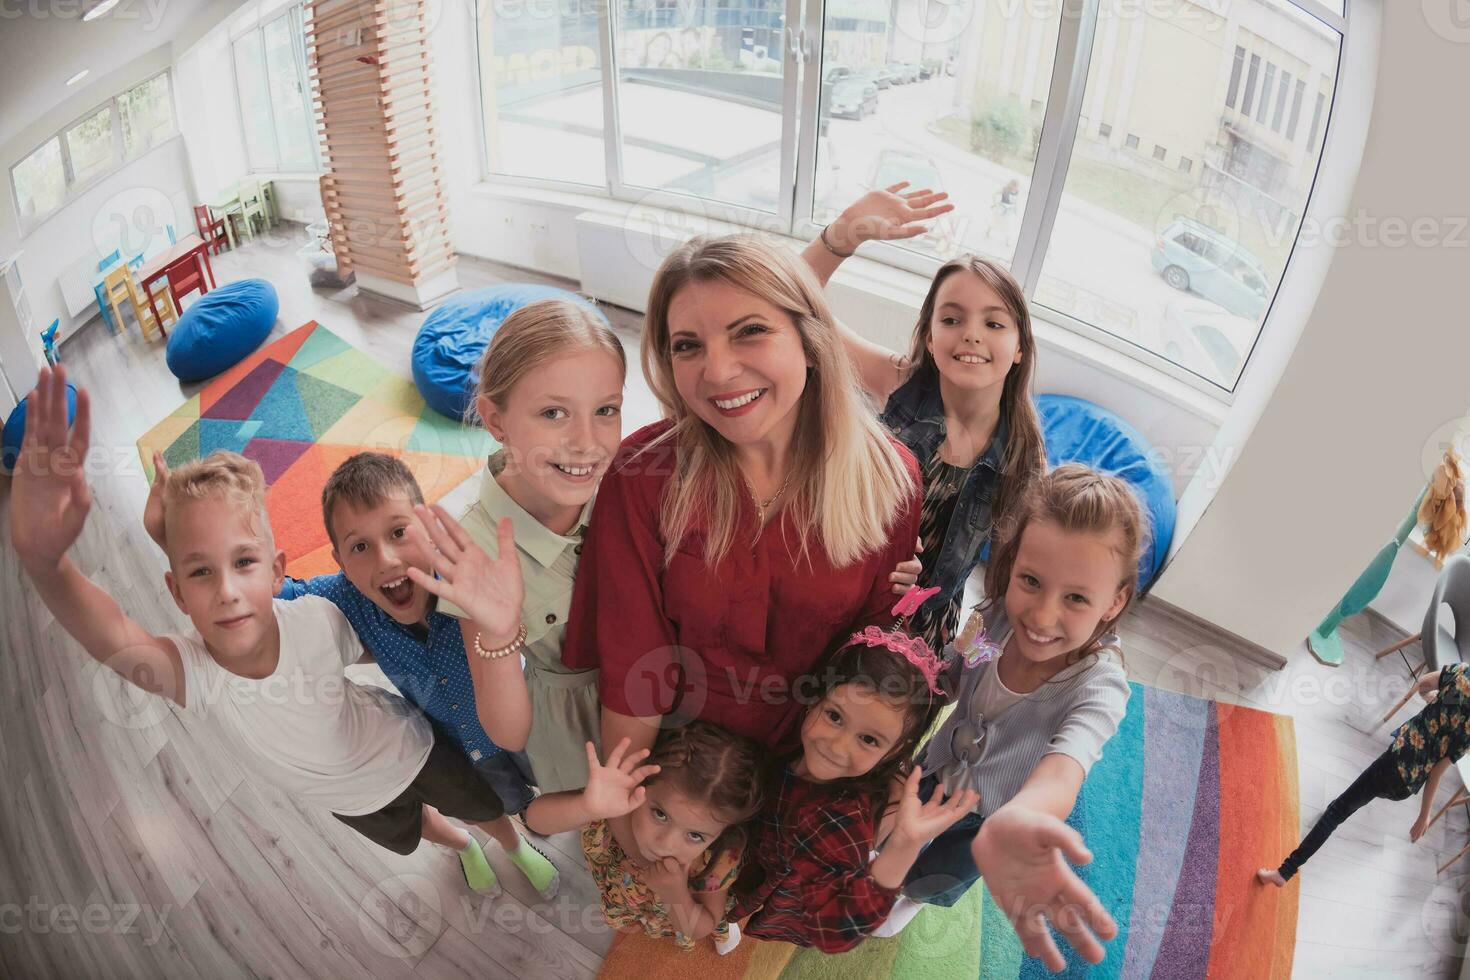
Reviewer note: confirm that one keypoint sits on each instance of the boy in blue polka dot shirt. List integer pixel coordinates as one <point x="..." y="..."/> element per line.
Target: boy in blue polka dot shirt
<point x="368" y="510"/>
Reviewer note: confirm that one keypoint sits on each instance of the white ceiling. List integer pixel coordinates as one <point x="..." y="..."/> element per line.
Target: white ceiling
<point x="45" y="42"/>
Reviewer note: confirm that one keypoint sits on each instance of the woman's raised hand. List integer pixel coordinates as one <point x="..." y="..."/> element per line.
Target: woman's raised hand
<point x="890" y="214"/>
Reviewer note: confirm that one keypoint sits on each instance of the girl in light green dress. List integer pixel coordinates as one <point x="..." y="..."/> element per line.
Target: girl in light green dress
<point x="550" y="392"/>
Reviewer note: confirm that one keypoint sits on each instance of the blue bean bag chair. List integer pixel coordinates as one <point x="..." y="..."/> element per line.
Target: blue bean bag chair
<point x="447" y="350"/>
<point x="1078" y="431"/>
<point x="15" y="427"/>
<point x="221" y="327"/>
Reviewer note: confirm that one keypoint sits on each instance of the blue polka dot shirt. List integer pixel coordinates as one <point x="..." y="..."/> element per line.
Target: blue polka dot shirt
<point x="429" y="671"/>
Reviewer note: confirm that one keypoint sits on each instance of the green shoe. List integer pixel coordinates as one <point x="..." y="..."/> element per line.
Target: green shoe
<point x="477" y="871"/>
<point x="539" y="871"/>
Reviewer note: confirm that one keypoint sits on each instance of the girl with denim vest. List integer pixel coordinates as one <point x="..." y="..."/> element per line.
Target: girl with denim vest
<point x="960" y="400"/>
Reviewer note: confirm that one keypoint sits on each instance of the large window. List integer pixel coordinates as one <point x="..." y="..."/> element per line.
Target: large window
<point x="1142" y="169"/>
<point x="147" y="115"/>
<point x="275" y="100"/>
<point x="1151" y="254"/>
<point x="91" y="145"/>
<point x="541" y="91"/>
<point x="90" y="148"/>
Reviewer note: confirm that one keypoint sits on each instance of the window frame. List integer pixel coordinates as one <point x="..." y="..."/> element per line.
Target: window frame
<point x="72" y="189"/>
<point x="801" y="58"/>
<point x="256" y="29"/>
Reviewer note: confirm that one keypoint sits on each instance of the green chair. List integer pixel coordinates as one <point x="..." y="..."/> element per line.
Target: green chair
<point x="252" y="205"/>
<point x="268" y="198"/>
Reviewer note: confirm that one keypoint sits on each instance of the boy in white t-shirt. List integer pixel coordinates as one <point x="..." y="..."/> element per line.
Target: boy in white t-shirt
<point x="266" y="675"/>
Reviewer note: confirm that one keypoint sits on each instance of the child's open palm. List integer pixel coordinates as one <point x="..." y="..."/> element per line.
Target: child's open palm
<point x="922" y="822"/>
<point x="489" y="589"/>
<point x="1022" y="854"/>
<point x="616" y="788"/>
<point x="50" y="498"/>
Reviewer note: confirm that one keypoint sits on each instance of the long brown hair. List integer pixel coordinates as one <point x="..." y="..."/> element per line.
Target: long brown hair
<point x="1077" y="499"/>
<point x="849" y="485"/>
<point x="1025" y="451"/>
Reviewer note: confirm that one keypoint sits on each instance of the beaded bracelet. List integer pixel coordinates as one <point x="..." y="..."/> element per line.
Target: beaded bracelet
<point x="513" y="646"/>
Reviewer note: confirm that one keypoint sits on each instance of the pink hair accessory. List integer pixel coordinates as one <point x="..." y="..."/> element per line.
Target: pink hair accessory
<point x="911" y="648"/>
<point x="912" y="600"/>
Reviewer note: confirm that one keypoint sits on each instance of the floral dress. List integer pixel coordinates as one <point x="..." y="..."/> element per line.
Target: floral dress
<point x="629" y="902"/>
<point x="1440" y="731"/>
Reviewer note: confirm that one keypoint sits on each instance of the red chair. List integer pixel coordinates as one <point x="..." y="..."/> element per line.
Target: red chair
<point x="185" y="276"/>
<point x="211" y="229"/>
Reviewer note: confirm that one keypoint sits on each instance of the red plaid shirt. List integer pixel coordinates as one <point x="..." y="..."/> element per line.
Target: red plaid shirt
<point x="806" y="880"/>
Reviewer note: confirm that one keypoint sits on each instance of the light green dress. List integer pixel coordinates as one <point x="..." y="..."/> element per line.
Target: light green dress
<point x="565" y="712"/>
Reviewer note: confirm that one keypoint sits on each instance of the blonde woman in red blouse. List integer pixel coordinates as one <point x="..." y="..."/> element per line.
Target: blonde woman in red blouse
<point x="732" y="541"/>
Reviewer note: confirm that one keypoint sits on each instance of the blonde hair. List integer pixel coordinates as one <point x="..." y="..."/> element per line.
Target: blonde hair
<point x="224" y="476"/>
<point x="848" y="482"/>
<point x="531" y="335"/>
<point x="1079" y="500"/>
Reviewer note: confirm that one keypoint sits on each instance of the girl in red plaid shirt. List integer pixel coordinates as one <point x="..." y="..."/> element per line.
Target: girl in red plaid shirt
<point x="812" y="878"/>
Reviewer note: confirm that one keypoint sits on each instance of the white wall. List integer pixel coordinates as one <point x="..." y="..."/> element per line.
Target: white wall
<point x="209" y="115"/>
<point x="1339" y="451"/>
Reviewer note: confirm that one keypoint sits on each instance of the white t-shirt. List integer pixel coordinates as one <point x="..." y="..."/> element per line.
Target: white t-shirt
<point x="306" y="728"/>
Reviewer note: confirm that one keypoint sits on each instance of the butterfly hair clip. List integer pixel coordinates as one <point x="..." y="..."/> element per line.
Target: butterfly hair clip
<point x="972" y="644"/>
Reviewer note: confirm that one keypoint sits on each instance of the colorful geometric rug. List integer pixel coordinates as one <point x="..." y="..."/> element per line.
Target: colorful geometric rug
<point x="1189" y="799"/>
<point x="299" y="407"/>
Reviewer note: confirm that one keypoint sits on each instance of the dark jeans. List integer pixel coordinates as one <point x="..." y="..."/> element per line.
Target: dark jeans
<point x="945" y="870"/>
<point x="1380" y="780"/>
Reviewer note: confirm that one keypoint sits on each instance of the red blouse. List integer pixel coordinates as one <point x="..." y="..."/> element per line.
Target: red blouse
<point x="724" y="644"/>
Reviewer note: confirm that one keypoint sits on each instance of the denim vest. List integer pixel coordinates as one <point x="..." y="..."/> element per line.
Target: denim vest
<point x="915" y="415"/>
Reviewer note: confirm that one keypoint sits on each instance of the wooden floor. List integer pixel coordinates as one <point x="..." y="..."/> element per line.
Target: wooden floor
<point x="130" y="847"/>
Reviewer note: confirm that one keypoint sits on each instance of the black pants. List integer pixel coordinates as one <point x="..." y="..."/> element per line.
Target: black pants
<point x="1380" y="780"/>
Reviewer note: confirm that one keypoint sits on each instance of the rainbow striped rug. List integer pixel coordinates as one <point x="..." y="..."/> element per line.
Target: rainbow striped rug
<point x="1189" y="799"/>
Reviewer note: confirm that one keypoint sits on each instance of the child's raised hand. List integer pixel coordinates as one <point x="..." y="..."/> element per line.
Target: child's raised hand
<point x="1022" y="854"/>
<point x="919" y="822"/>
<point x="889" y="214"/>
<point x="616" y="788"/>
<point x="49" y="497"/>
<point x="153" y="510"/>
<point x="489" y="589"/>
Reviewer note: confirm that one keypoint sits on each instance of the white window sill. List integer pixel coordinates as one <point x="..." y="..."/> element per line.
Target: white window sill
<point x="272" y="175"/>
<point x="888" y="282"/>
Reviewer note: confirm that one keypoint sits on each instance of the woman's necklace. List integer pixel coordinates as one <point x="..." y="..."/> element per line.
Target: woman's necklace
<point x="762" y="507"/>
